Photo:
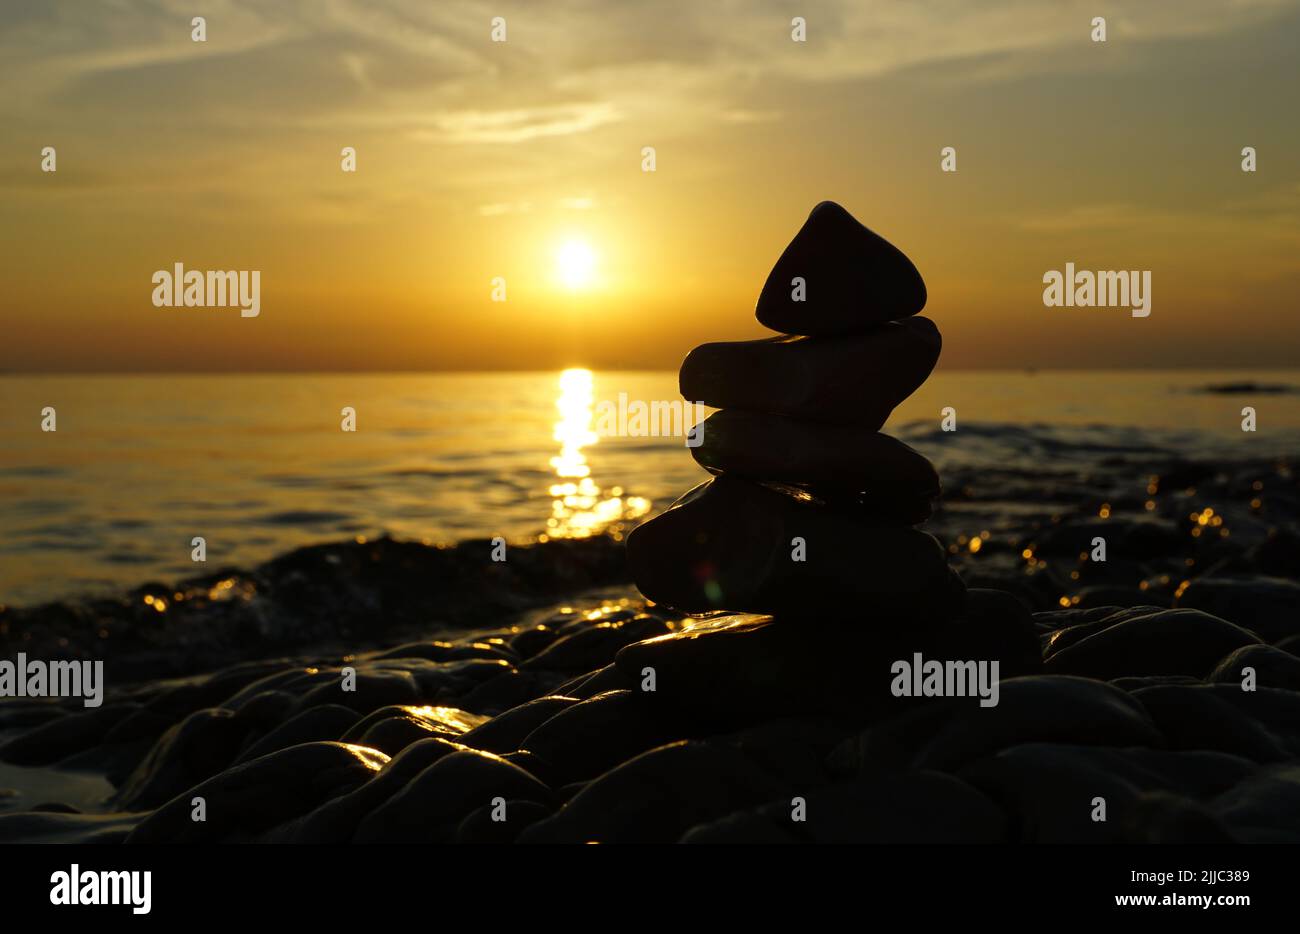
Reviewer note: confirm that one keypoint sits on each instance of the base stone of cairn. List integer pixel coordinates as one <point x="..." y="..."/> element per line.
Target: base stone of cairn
<point x="808" y="522"/>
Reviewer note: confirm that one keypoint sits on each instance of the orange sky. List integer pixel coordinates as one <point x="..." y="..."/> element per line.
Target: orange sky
<point x="479" y="159"/>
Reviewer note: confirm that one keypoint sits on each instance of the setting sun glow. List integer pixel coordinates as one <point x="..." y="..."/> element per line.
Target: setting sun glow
<point x="575" y="264"/>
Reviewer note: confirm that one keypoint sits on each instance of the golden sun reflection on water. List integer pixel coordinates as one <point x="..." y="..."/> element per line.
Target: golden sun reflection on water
<point x="579" y="507"/>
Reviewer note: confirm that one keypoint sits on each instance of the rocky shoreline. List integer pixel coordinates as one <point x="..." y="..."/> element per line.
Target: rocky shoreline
<point x="523" y="681"/>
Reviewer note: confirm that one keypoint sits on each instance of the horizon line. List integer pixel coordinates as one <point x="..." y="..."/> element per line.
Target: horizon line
<point x="19" y="374"/>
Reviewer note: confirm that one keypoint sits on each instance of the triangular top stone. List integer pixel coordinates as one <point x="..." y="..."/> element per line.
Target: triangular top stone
<point x="853" y="278"/>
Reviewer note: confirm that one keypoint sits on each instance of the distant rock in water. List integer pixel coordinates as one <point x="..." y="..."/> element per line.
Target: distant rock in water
<point x="1254" y="389"/>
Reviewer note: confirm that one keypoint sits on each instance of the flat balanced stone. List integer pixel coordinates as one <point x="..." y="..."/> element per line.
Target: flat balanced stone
<point x="855" y="380"/>
<point x="827" y="459"/>
<point x="731" y="544"/>
<point x="853" y="278"/>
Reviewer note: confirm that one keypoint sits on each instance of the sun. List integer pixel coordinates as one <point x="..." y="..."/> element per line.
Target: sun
<point x="575" y="264"/>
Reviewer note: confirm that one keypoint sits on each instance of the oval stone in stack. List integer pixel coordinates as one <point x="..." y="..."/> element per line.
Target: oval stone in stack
<point x="730" y="544"/>
<point x="845" y="465"/>
<point x="854" y="380"/>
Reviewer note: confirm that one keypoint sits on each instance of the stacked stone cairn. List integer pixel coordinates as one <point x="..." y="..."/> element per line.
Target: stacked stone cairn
<point x="811" y="508"/>
<point x="810" y="515"/>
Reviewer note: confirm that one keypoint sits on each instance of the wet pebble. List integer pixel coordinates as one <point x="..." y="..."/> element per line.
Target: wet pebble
<point x="911" y="808"/>
<point x="1167" y="642"/>
<point x="582" y="741"/>
<point x="431" y="806"/>
<point x="658" y="796"/>
<point x="250" y="799"/>
<point x="1268" y="606"/>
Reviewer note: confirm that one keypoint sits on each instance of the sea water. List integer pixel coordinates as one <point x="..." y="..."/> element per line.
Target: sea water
<point x="255" y="465"/>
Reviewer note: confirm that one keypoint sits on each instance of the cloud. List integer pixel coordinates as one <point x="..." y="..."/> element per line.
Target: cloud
<point x="1267" y="218"/>
<point x="396" y="51"/>
<point x="518" y="126"/>
<point x="509" y="207"/>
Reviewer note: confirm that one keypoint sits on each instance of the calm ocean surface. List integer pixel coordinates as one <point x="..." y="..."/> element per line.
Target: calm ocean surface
<point x="258" y="464"/>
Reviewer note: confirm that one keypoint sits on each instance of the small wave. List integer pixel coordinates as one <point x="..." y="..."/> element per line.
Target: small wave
<point x="293" y="481"/>
<point x="994" y="443"/>
<point x="433" y="473"/>
<point x="303" y="517"/>
<point x="34" y="471"/>
<point x="1248" y="388"/>
<point x="128" y="557"/>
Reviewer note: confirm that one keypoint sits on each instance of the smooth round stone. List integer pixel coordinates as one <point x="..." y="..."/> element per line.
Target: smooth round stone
<point x="794" y="749"/>
<point x="508" y="689"/>
<point x="251" y="798"/>
<point x="853" y="278"/>
<point x="949" y="733"/>
<point x="1267" y="606"/>
<point x="658" y="796"/>
<point x="594" y="646"/>
<point x="506" y="731"/>
<point x="483" y="825"/>
<point x="730" y="671"/>
<point x="319" y="724"/>
<point x="582" y="741"/>
<point x="64" y="735"/>
<point x="374" y="689"/>
<point x="1164" y="642"/>
<point x="745" y="828"/>
<point x="854" y="380"/>
<point x="729" y="544"/>
<point x="197" y="748"/>
<point x="1131" y="684"/>
<point x="1057" y="621"/>
<point x="1048" y="788"/>
<point x="832" y="460"/>
<point x="1074" y="632"/>
<point x="336" y="820"/>
<point x="925" y="808"/>
<point x="1274" y="709"/>
<point x="431" y="805"/>
<point x="532" y="641"/>
<point x="216" y="690"/>
<point x="608" y="678"/>
<point x="1197" y="717"/>
<point x="1264" y="808"/>
<point x="391" y="729"/>
<point x="1163" y="817"/>
<point x="1045" y="708"/>
<point x="439" y="651"/>
<point x="1273" y="668"/>
<point x="293" y="682"/>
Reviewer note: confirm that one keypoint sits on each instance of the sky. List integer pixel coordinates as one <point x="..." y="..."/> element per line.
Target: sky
<point x="478" y="159"/>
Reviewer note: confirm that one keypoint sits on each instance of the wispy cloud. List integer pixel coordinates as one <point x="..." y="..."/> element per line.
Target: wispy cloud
<point x="517" y="126"/>
<point x="395" y="51"/>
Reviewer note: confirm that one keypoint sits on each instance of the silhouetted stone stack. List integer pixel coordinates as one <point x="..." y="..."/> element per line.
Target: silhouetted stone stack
<point x="811" y="508"/>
